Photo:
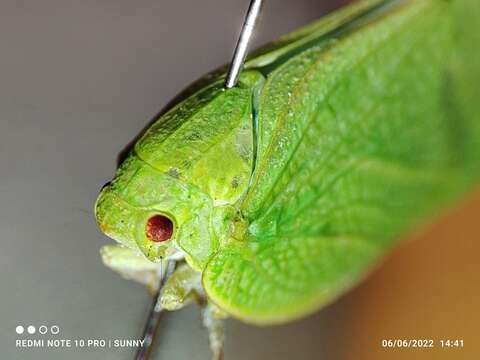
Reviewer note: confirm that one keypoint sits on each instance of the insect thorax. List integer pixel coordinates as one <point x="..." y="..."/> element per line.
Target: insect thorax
<point x="190" y="166"/>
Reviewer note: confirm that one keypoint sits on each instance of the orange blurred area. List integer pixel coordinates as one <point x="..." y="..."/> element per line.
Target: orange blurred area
<point x="429" y="288"/>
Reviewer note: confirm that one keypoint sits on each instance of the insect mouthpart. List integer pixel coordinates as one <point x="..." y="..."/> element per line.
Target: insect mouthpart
<point x="159" y="228"/>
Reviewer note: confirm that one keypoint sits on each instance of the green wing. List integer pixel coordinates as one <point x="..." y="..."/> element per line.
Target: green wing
<point x="364" y="131"/>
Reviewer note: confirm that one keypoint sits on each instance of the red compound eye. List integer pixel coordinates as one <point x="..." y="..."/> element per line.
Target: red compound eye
<point x="159" y="228"/>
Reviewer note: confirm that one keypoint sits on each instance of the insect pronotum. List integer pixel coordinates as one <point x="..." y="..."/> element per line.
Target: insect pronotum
<point x="283" y="191"/>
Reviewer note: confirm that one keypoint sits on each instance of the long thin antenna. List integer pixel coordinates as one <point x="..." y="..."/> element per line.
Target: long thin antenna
<point x="153" y="320"/>
<point x="240" y="52"/>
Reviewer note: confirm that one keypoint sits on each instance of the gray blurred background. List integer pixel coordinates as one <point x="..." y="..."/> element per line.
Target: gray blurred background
<point x="78" y="80"/>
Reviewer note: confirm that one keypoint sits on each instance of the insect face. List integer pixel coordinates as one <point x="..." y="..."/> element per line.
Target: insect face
<point x="150" y="211"/>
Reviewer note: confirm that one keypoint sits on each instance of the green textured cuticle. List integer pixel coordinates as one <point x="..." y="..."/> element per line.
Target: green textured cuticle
<point x="339" y="140"/>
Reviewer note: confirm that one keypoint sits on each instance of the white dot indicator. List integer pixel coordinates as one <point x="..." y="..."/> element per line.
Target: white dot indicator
<point x="31" y="329"/>
<point x="42" y="329"/>
<point x="55" y="329"/>
<point x="19" y="329"/>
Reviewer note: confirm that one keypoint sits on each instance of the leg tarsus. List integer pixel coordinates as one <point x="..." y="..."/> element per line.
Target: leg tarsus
<point x="214" y="323"/>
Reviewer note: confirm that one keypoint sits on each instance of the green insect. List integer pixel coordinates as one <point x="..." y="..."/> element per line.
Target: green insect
<point x="282" y="192"/>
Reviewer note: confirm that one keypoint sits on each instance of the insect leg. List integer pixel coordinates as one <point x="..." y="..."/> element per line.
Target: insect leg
<point x="132" y="266"/>
<point x="149" y="332"/>
<point x="214" y="323"/>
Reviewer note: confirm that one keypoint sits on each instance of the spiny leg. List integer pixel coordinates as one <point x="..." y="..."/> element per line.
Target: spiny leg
<point x="144" y="351"/>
